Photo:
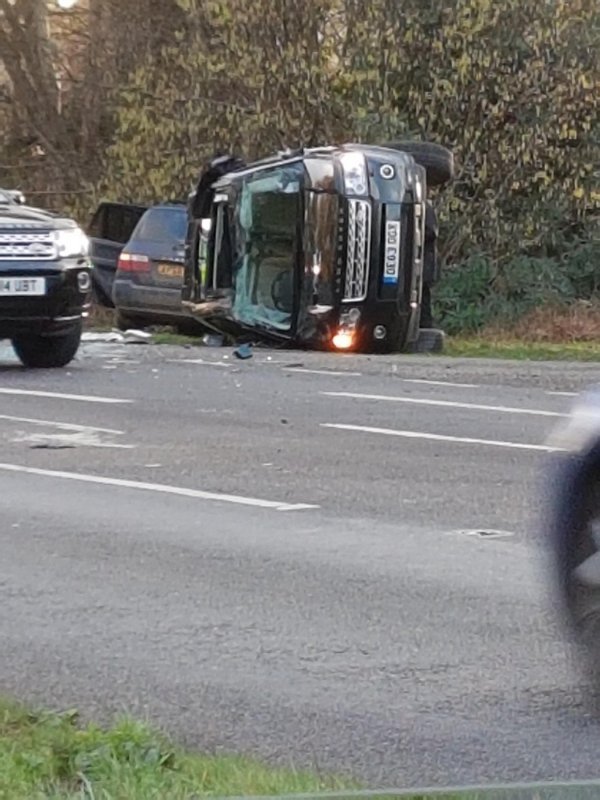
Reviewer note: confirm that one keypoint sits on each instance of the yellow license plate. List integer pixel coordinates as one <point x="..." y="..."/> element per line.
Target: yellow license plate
<point x="170" y="271"/>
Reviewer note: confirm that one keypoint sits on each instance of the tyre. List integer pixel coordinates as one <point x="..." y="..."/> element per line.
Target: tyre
<point x="48" y="351"/>
<point x="438" y="161"/>
<point x="430" y="340"/>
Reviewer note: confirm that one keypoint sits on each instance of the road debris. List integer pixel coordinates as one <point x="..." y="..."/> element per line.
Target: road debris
<point x="243" y="352"/>
<point x="100" y="336"/>
<point x="130" y="336"/>
<point x="65" y="441"/>
<point x="485" y="533"/>
<point x="213" y="340"/>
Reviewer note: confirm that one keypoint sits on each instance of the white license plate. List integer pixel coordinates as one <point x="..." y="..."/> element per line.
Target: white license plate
<point x="17" y="287"/>
<point x="391" y="267"/>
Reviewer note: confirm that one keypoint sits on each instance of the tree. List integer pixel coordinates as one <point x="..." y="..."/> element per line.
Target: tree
<point x="63" y="68"/>
<point x="245" y="75"/>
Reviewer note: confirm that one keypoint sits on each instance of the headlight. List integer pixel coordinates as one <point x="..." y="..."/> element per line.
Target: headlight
<point x="355" y="173"/>
<point x="71" y="242"/>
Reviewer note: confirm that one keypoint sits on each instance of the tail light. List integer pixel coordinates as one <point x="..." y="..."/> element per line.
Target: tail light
<point x="129" y="262"/>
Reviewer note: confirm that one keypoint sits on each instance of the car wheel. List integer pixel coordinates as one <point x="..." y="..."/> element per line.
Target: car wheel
<point x="429" y="340"/>
<point x="438" y="161"/>
<point x="579" y="562"/>
<point x="48" y="351"/>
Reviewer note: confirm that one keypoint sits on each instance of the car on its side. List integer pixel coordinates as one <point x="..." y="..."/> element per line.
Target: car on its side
<point x="321" y="247"/>
<point x="45" y="282"/>
<point x="149" y="278"/>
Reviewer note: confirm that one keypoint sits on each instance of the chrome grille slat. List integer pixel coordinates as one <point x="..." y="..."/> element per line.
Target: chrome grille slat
<point x="358" y="250"/>
<point x="27" y="245"/>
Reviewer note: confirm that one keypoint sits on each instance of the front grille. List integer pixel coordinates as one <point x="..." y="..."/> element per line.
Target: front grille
<point x="358" y="250"/>
<point x="27" y="245"/>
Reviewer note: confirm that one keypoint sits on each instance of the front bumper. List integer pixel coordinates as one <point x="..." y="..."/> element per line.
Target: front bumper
<point x="62" y="306"/>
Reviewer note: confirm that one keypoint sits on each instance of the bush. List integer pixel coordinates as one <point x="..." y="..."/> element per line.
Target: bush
<point x="480" y="293"/>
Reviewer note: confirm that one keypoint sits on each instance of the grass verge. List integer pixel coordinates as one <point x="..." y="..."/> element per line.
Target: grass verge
<point x="169" y="337"/>
<point x="492" y="347"/>
<point x="48" y="756"/>
<point x="554" y="333"/>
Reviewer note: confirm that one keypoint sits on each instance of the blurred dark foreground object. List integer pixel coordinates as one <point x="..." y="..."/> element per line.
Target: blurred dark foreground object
<point x="572" y="504"/>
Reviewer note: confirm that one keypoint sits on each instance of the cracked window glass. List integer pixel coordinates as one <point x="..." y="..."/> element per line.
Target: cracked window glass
<point x="267" y="220"/>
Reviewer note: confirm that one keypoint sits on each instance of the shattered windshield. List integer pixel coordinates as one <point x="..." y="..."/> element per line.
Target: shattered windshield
<point x="266" y="224"/>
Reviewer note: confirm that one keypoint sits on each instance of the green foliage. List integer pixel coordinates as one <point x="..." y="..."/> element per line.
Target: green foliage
<point x="512" y="86"/>
<point x="244" y="75"/>
<point x="478" y="291"/>
<point x="460" y="301"/>
<point x="50" y="757"/>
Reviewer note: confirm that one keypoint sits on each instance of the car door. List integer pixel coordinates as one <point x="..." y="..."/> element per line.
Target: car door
<point x="109" y="230"/>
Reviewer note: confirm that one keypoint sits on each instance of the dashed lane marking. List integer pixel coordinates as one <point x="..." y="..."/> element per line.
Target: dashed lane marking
<point x="160" y="488"/>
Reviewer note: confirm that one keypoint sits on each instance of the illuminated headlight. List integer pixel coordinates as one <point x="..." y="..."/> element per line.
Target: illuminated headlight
<point x="71" y="242"/>
<point x="355" y="173"/>
<point x="343" y="340"/>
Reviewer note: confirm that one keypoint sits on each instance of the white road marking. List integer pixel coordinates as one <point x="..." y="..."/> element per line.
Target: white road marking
<point x="562" y="394"/>
<point x="322" y="372"/>
<point x="435" y="437"/>
<point x="64" y="426"/>
<point x="442" y="383"/>
<point x="446" y="404"/>
<point x="159" y="488"/>
<point x="84" y="398"/>
<point x="198" y="361"/>
<point x="85" y="438"/>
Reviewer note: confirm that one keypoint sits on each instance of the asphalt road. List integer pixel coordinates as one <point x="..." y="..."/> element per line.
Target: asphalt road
<point x="272" y="556"/>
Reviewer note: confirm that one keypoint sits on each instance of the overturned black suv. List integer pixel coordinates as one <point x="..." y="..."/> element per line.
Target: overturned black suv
<point x="45" y="283"/>
<point x="322" y="247"/>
